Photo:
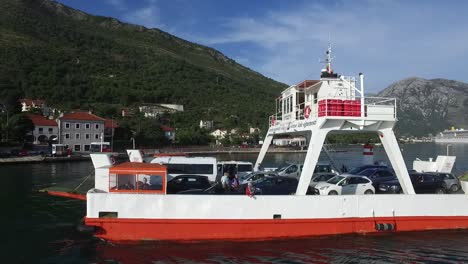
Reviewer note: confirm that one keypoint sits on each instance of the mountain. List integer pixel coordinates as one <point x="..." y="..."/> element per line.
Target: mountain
<point x="429" y="106"/>
<point x="76" y="60"/>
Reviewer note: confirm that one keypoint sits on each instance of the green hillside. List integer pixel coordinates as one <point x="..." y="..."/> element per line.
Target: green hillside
<point x="75" y="60"/>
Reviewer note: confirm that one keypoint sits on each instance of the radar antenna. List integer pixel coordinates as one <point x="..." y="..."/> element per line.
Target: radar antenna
<point x="328" y="71"/>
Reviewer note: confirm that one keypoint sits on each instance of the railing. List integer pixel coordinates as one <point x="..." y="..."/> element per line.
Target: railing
<point x="374" y="107"/>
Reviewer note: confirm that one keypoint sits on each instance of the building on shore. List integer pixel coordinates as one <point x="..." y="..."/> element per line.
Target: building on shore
<point x="79" y="129"/>
<point x="45" y="130"/>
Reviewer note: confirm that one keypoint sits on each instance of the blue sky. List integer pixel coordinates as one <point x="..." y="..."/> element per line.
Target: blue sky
<point x="387" y="40"/>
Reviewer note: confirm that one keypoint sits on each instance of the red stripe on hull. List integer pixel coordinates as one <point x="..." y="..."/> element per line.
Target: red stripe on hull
<point x="170" y="229"/>
<point x="76" y="196"/>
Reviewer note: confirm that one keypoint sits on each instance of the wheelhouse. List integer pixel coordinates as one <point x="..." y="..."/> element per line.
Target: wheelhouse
<point x="131" y="177"/>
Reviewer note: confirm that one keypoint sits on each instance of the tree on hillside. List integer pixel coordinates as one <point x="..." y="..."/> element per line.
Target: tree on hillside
<point x="18" y="126"/>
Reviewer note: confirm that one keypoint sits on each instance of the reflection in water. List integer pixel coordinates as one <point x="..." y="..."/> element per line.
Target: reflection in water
<point x="449" y="247"/>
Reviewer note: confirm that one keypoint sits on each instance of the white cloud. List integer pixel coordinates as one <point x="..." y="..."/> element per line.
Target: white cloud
<point x="148" y="16"/>
<point x="387" y="40"/>
<point x="117" y="4"/>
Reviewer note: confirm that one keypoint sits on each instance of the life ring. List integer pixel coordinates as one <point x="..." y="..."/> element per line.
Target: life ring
<point x="307" y="111"/>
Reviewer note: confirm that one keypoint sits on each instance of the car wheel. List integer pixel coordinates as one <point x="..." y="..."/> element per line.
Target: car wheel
<point x="368" y="192"/>
<point x="439" y="191"/>
<point x="454" y="188"/>
<point x="333" y="193"/>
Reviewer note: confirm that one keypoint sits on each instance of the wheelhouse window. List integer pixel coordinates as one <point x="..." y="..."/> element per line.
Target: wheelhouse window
<point x="136" y="183"/>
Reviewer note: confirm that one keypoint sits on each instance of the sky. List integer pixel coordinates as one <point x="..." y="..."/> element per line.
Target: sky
<point x="386" y="40"/>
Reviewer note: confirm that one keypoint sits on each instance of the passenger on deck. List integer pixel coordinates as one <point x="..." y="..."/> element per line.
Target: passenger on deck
<point x="225" y="181"/>
<point x="234" y="183"/>
<point x="250" y="190"/>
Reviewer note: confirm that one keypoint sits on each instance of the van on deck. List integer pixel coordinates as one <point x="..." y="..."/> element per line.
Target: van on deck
<point x="205" y="166"/>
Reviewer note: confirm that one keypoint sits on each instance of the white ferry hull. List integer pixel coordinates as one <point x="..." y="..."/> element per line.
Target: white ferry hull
<point x="205" y="217"/>
<point x="451" y="140"/>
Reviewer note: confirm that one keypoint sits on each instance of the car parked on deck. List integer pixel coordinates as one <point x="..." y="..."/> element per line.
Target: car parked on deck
<point x="277" y="185"/>
<point x="187" y="182"/>
<point x="321" y="177"/>
<point x="452" y="183"/>
<point x="255" y="176"/>
<point x="378" y="175"/>
<point x="422" y="183"/>
<point x="358" y="170"/>
<point x="345" y="184"/>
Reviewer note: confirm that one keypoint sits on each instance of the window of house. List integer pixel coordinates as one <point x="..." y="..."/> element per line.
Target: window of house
<point x="41" y="130"/>
<point x="67" y="125"/>
<point x="77" y="136"/>
<point x="97" y="126"/>
<point x="67" y="135"/>
<point x="77" y="147"/>
<point x="77" y="126"/>
<point x="87" y="136"/>
<point x="51" y="130"/>
<point x="87" y="126"/>
<point x="96" y="136"/>
<point x="87" y="147"/>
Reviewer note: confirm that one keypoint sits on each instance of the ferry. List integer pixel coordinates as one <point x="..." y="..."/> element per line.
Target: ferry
<point x="452" y="136"/>
<point x="129" y="201"/>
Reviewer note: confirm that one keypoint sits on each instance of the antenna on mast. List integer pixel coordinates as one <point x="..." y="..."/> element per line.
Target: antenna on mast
<point x="328" y="71"/>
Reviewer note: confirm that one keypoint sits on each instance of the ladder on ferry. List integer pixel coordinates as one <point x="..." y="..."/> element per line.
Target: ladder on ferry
<point x="327" y="148"/>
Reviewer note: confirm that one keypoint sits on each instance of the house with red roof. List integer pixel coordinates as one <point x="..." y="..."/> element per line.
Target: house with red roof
<point x="79" y="129"/>
<point x="28" y="104"/>
<point x="45" y="130"/>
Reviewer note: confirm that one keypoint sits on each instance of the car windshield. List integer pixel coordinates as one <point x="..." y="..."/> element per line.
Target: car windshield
<point x="367" y="172"/>
<point x="335" y="179"/>
<point x="355" y="170"/>
<point x="245" y="177"/>
<point x="322" y="168"/>
<point x="283" y="168"/>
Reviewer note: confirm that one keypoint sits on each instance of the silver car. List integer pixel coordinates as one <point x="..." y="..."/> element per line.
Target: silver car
<point x="452" y="183"/>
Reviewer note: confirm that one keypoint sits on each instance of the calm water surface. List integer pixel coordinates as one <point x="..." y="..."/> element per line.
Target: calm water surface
<point x="38" y="228"/>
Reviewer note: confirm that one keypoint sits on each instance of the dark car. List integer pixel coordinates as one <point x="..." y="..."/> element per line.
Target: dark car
<point x="279" y="185"/>
<point x="358" y="170"/>
<point x="215" y="189"/>
<point x="422" y="183"/>
<point x="269" y="185"/>
<point x="378" y="176"/>
<point x="187" y="182"/>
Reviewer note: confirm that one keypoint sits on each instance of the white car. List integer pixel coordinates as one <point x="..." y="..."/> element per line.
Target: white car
<point x="345" y="184"/>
